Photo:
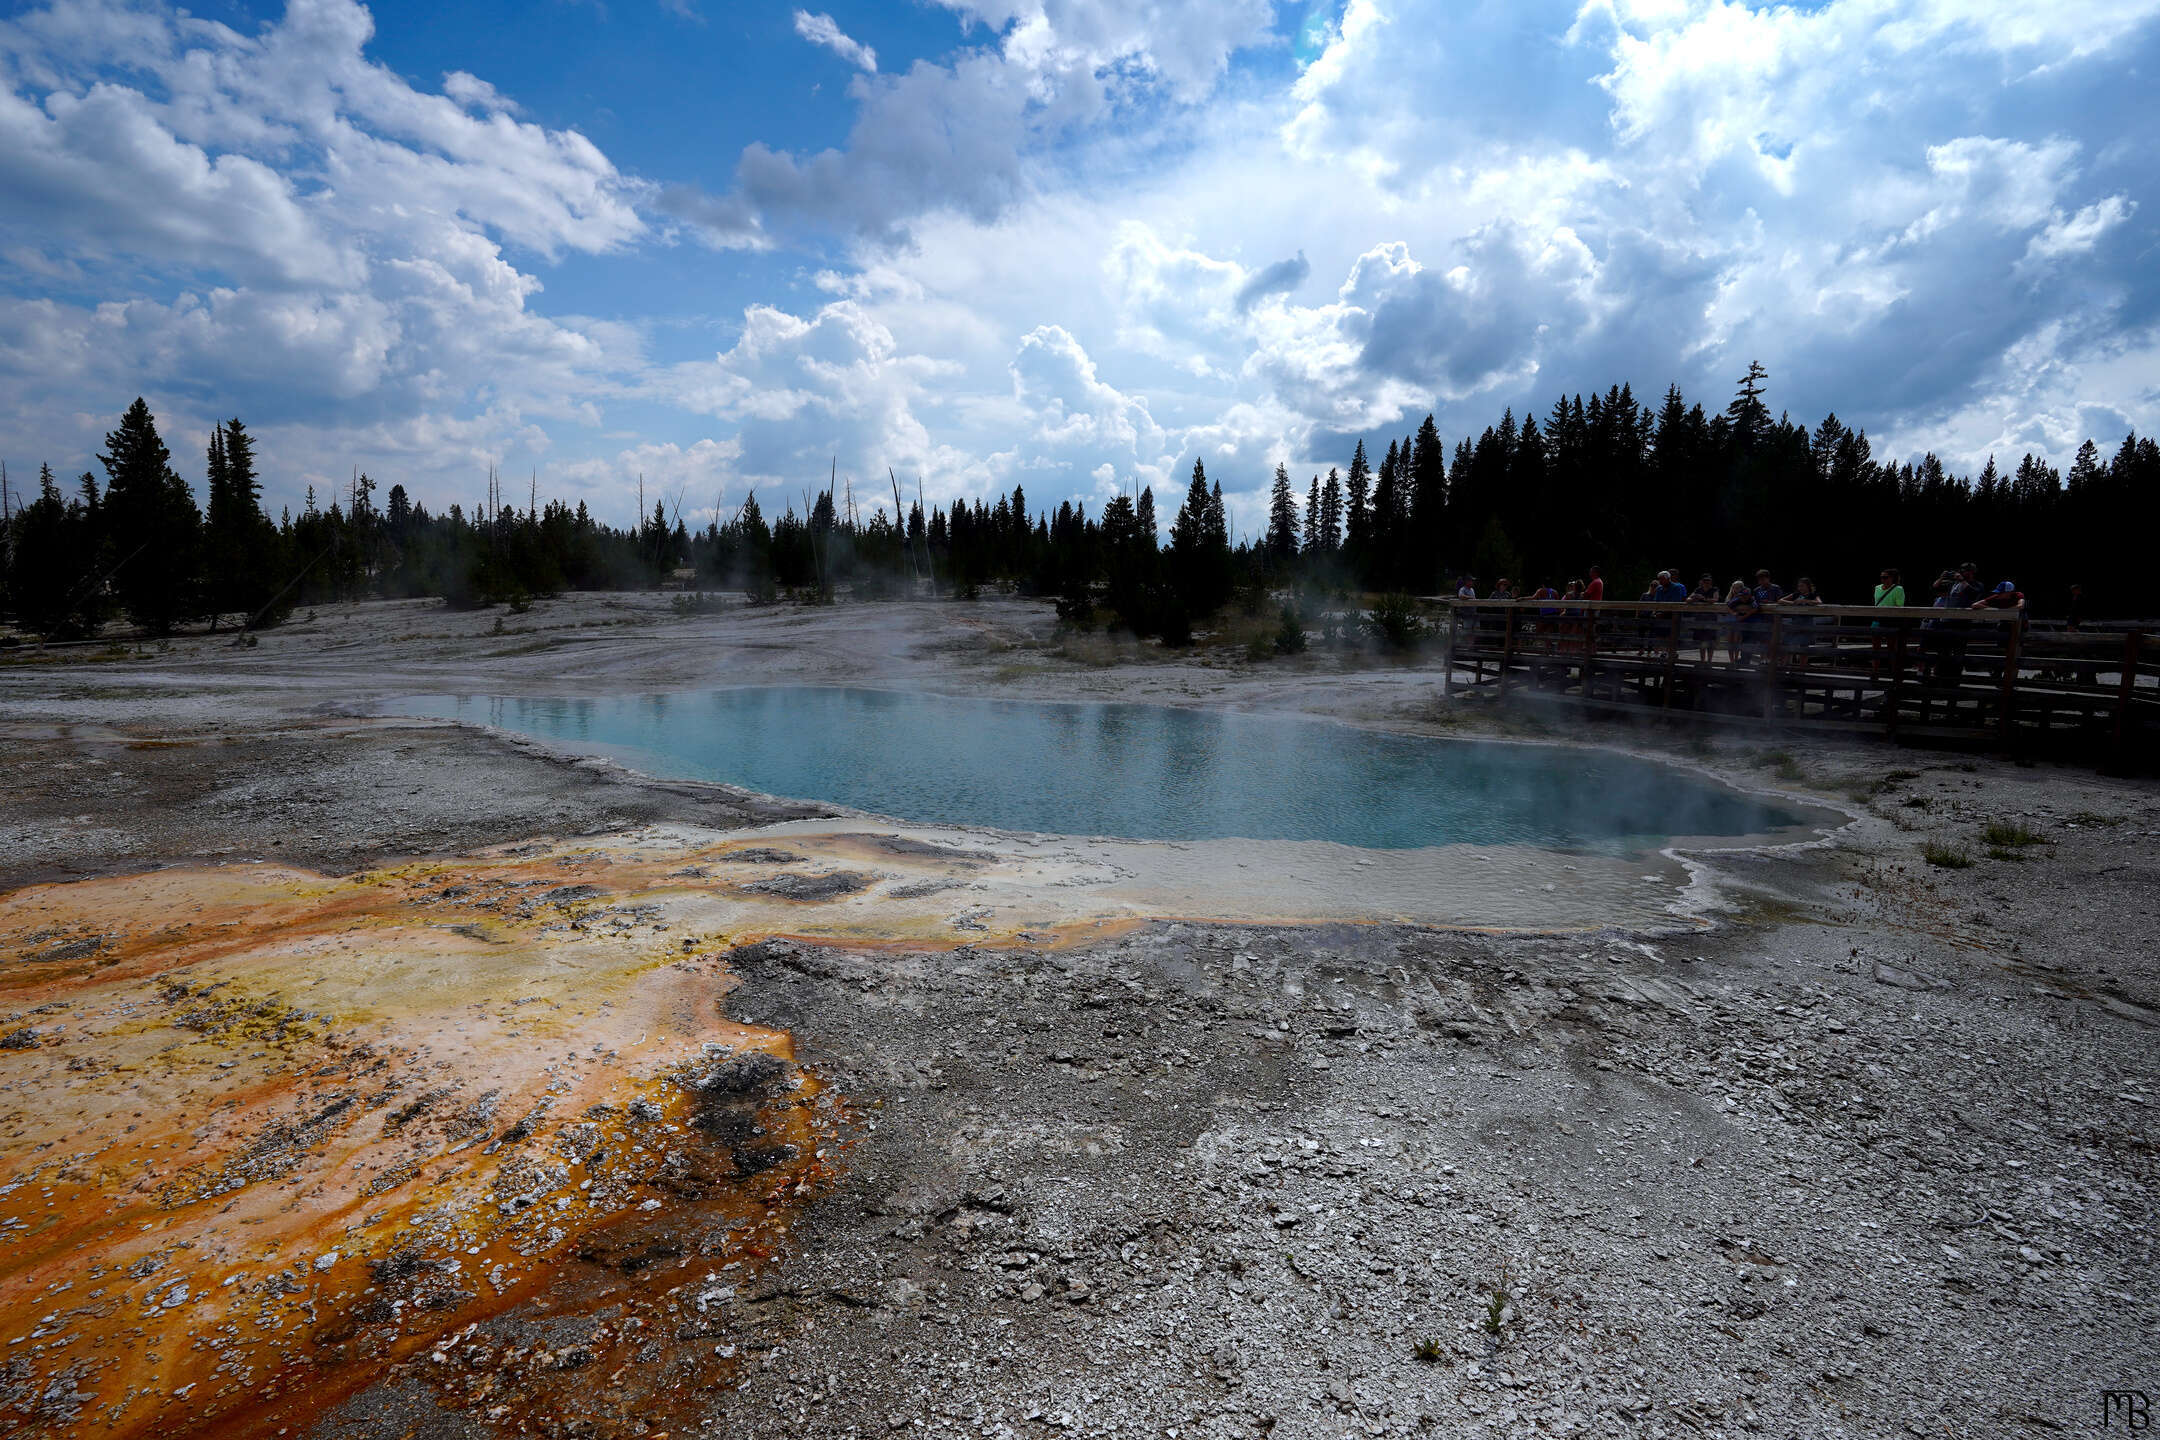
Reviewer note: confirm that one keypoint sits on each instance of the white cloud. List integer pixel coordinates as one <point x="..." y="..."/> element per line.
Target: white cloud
<point x="974" y="134"/>
<point x="2066" y="236"/>
<point x="292" y="231"/>
<point x="820" y="29"/>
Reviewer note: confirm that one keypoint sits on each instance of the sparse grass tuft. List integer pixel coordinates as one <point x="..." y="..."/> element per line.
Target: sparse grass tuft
<point x="1946" y="857"/>
<point x="1096" y="651"/>
<point x="2009" y="835"/>
<point x="1781" y="761"/>
<point x="1427" y="1350"/>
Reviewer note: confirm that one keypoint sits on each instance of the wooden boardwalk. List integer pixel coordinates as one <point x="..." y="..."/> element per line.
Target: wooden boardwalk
<point x="1919" y="673"/>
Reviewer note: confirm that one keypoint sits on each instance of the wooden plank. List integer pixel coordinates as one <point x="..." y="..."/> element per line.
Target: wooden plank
<point x="1672" y="660"/>
<point x="1589" y="650"/>
<point x="1770" y="671"/>
<point x="1507" y="650"/>
<point x="2133" y="645"/>
<point x="1895" y="700"/>
<point x="2009" y="680"/>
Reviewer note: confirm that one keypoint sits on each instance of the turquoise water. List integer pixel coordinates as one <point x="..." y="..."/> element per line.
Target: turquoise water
<point x="1143" y="772"/>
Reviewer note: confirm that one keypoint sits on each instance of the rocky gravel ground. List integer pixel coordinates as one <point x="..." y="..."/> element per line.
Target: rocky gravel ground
<point x="329" y="795"/>
<point x="1359" y="1180"/>
<point x="1874" y="1152"/>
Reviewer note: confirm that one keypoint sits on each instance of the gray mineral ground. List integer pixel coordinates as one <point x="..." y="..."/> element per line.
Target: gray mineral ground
<point x="1872" y="1151"/>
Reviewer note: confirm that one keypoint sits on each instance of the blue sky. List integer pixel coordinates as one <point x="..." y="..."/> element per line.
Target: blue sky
<point x="1066" y="243"/>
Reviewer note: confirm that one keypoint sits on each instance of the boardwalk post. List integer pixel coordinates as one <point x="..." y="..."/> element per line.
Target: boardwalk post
<point x="1589" y="648"/>
<point x="1770" y="676"/>
<point x="1447" y="651"/>
<point x="1896" y="696"/>
<point x="1672" y="659"/>
<point x="2010" y="676"/>
<point x="2133" y="644"/>
<point x="1507" y="647"/>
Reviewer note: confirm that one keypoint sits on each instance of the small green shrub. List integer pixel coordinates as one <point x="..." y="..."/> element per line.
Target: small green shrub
<point x="1946" y="857"/>
<point x="1495" y="1309"/>
<point x="1290" y="635"/>
<point x="2009" y="834"/>
<point x="1395" y="623"/>
<point x="1427" y="1350"/>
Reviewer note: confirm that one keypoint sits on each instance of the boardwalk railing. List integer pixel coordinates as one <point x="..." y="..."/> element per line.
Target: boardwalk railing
<point x="1919" y="672"/>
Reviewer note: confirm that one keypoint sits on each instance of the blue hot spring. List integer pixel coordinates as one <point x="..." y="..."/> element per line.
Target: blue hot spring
<point x="1141" y="772"/>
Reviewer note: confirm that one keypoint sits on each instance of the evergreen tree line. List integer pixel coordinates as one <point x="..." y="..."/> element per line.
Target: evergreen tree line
<point x="1603" y="480"/>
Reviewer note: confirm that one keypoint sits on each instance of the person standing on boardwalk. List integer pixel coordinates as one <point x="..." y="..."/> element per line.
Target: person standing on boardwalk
<point x="1767" y="593"/>
<point x="1740" y="601"/>
<point x="1799" y="636"/>
<point x="2005" y="596"/>
<point x="1951" y="636"/>
<point x="1595" y="590"/>
<point x="1705" y="593"/>
<point x="1889" y="591"/>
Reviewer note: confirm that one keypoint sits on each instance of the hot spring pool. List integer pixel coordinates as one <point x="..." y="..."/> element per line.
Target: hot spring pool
<point x="1139" y="772"/>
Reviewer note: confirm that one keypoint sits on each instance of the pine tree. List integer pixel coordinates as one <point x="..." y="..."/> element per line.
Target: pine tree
<point x="1331" y="510"/>
<point x="1281" y="543"/>
<point x="1357" y="520"/>
<point x="153" y="522"/>
<point x="1149" y="536"/>
<point x="53" y="566"/>
<point x="1310" y="522"/>
<point x="242" y="553"/>
<point x="2085" y="469"/>
<point x="1200" y="547"/>
<point x="1749" y="416"/>
<point x="1188" y="532"/>
<point x="1427" y="493"/>
<point x="1383" y="539"/>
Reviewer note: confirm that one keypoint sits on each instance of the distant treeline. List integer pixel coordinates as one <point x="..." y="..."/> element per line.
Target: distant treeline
<point x="1604" y="481"/>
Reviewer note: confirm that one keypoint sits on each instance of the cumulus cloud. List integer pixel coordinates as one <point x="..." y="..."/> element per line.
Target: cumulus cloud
<point x="820" y="29"/>
<point x="1078" y="417"/>
<point x="801" y="390"/>
<point x="1280" y="278"/>
<point x="972" y="133"/>
<point x="290" y="229"/>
